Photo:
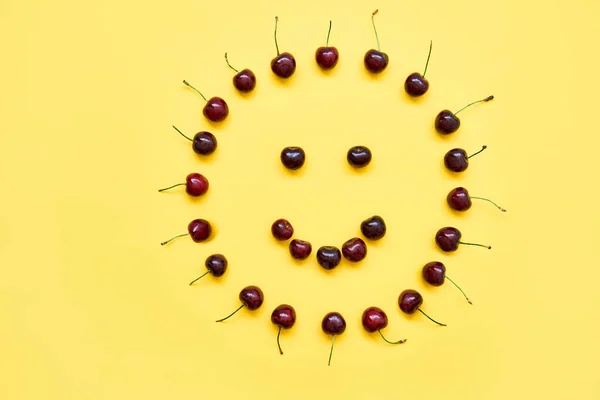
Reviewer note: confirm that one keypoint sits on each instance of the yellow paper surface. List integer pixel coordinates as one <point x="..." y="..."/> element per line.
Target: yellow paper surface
<point x="94" y="308"/>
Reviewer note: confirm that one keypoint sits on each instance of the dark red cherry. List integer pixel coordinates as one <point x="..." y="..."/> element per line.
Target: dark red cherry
<point x="300" y="249"/>
<point x="284" y="64"/>
<point x="215" y="264"/>
<point x="327" y="57"/>
<point x="284" y="316"/>
<point x="329" y="257"/>
<point x="448" y="239"/>
<point x="459" y="199"/>
<point x="215" y="109"/>
<point x="374" y="320"/>
<point x="199" y="230"/>
<point x="282" y="229"/>
<point x="416" y="85"/>
<point x="375" y="60"/>
<point x="244" y="80"/>
<point x="195" y="184"/>
<point x="446" y="122"/>
<point x="434" y="273"/>
<point x="456" y="160"/>
<point x="410" y="301"/>
<point x="251" y="297"/>
<point x="333" y="324"/>
<point x="359" y="156"/>
<point x="204" y="143"/>
<point x="354" y="250"/>
<point x="373" y="228"/>
<point x="292" y="157"/>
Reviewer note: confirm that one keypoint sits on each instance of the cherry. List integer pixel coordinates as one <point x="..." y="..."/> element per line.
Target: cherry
<point x="374" y="320"/>
<point x="373" y="228"/>
<point x="416" y="85"/>
<point x="376" y="60"/>
<point x="333" y="324"/>
<point x="459" y="199"/>
<point x="410" y="301"/>
<point x="204" y="143"/>
<point x="448" y="239"/>
<point x="329" y="257"/>
<point x="195" y="184"/>
<point x="434" y="273"/>
<point x="215" y="264"/>
<point x="284" y="316"/>
<point x="327" y="57"/>
<point x="300" y="249"/>
<point x="244" y="80"/>
<point x="282" y="229"/>
<point x="284" y="65"/>
<point x="354" y="250"/>
<point x="215" y="109"/>
<point x="199" y="230"/>
<point x="456" y="160"/>
<point x="251" y="297"/>
<point x="359" y="156"/>
<point x="447" y="122"/>
<point x="293" y="157"/>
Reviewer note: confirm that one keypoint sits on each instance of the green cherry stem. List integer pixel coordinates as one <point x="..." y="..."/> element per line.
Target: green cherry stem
<point x="488" y="200"/>
<point x="431" y="319"/>
<point x="375" y="29"/>
<point x="181" y="133"/>
<point x="476" y="244"/>
<point x="223" y="319"/>
<point x="171" y="187"/>
<point x="227" y="61"/>
<point x="275" y="34"/>
<point x="278" y="345"/>
<point x="387" y="341"/>
<point x="475" y="102"/>
<point x="331" y="351"/>
<point x="173" y="238"/>
<point x="428" y="55"/>
<point x="197" y="91"/>
<point x="328" y="33"/>
<point x="201" y="276"/>
<point x="458" y="287"/>
<point x="482" y="149"/>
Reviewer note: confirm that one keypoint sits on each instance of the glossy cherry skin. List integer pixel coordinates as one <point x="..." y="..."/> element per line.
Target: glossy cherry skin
<point x="196" y="184"/>
<point x="216" y="109"/>
<point x="434" y="273"/>
<point x="216" y="264"/>
<point x="354" y="250"/>
<point x="282" y="229"/>
<point x="244" y="81"/>
<point x="252" y="297"/>
<point x="446" y="122"/>
<point x="456" y="160"/>
<point x="333" y="324"/>
<point x="300" y="249"/>
<point x="447" y="239"/>
<point x="359" y="156"/>
<point x="283" y="65"/>
<point x="416" y="85"/>
<point x="376" y="61"/>
<point x="284" y="316"/>
<point x="199" y="230"/>
<point x="327" y="57"/>
<point x="204" y="143"/>
<point x="293" y="157"/>
<point x="409" y="301"/>
<point x="458" y="199"/>
<point x="329" y="257"/>
<point x="374" y="319"/>
<point x="373" y="228"/>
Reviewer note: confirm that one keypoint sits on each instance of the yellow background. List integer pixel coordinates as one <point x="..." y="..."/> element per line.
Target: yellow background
<point x="93" y="307"/>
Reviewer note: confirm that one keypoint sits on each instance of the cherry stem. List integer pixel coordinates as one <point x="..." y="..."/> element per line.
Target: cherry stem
<point x="331" y="351"/>
<point x="278" y="345"/>
<point x="328" y="33"/>
<point x="375" y="29"/>
<point x="276" y="45"/>
<point x="476" y="244"/>
<point x="197" y="91"/>
<point x="458" y="287"/>
<point x="431" y="319"/>
<point x="387" y="341"/>
<point x="201" y="276"/>
<point x="171" y="187"/>
<point x="475" y="102"/>
<point x="223" y="319"/>
<point x="482" y="149"/>
<point x="173" y="238"/>
<point x="428" y="55"/>
<point x="488" y="200"/>
<point x="181" y="133"/>
<point x="227" y="61"/>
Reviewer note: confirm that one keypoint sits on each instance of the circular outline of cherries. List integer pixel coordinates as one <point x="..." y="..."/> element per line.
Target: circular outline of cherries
<point x="354" y="250"/>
